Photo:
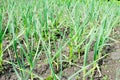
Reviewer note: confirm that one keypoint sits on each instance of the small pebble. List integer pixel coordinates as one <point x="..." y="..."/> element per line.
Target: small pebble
<point x="115" y="55"/>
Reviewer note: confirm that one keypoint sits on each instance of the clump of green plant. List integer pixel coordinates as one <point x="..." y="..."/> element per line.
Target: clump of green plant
<point x="51" y="27"/>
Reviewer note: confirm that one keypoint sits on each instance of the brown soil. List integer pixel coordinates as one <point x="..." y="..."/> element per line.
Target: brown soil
<point x="110" y="66"/>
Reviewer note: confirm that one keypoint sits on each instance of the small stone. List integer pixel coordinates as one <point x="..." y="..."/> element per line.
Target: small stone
<point x="115" y="55"/>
